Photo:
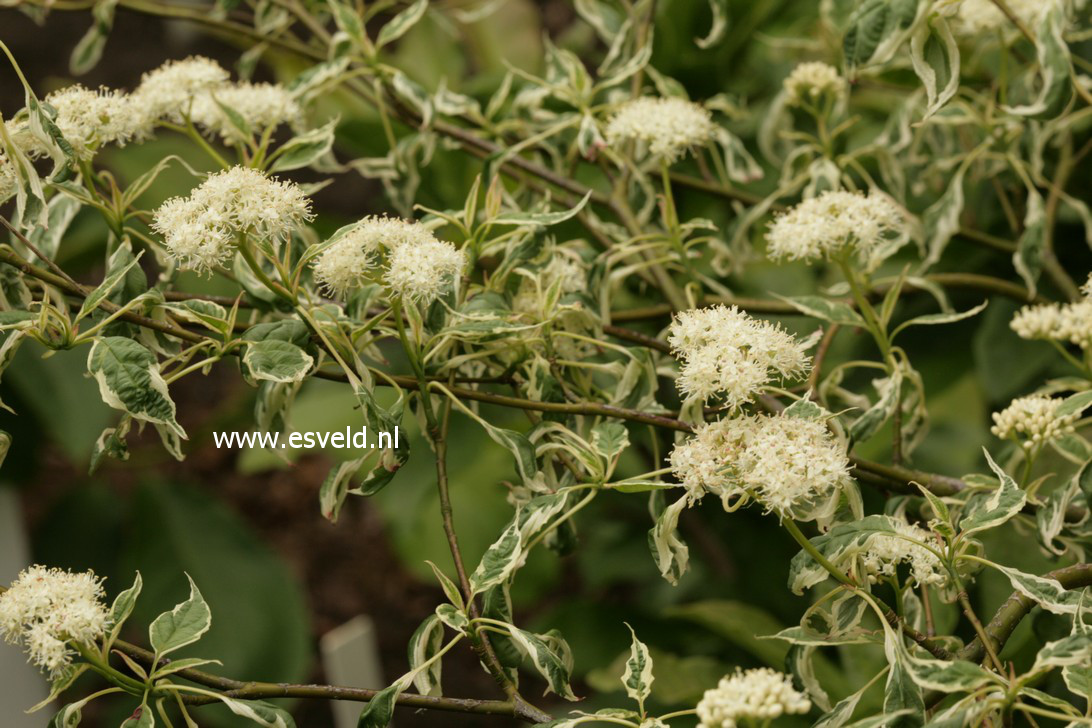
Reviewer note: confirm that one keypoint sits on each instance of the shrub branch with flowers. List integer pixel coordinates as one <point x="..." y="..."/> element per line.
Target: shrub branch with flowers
<point x="572" y="286"/>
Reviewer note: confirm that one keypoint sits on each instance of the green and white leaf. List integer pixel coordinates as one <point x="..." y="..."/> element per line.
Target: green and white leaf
<point x="129" y="380"/>
<point x="183" y="625"/>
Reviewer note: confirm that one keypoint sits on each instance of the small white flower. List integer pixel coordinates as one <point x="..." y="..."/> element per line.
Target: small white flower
<point x="1069" y="323"/>
<point x="667" y="127"/>
<point x="727" y="354"/>
<point x="885" y="552"/>
<point x="810" y="81"/>
<point x="88" y="119"/>
<point x="418" y="267"/>
<point x="202" y="229"/>
<point x="836" y="222"/>
<point x="422" y="272"/>
<point x="793" y="466"/>
<point x="261" y="105"/>
<point x="1034" y="420"/>
<point x="46" y="610"/>
<point x="761" y="694"/>
<point x="168" y="91"/>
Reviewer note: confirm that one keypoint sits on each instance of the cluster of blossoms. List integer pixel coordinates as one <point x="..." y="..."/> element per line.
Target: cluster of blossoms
<point x="202" y="229"/>
<point x="196" y="88"/>
<point x="837" y="223"/>
<point x="261" y="106"/>
<point x="667" y="127"/>
<point x="419" y="267"/>
<point x="1034" y="419"/>
<point x="793" y="466"/>
<point x="759" y="695"/>
<point x="809" y="82"/>
<point x="885" y="552"/>
<point x="1063" y="322"/>
<point x="47" y="610"/>
<point x="727" y="353"/>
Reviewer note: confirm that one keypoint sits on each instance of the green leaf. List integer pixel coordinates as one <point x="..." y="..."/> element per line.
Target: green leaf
<point x="123" y="607"/>
<point x="638" y="676"/>
<point x="548" y="659"/>
<point x="934" y="55"/>
<point x="211" y="315"/>
<point x="1075" y="403"/>
<point x="668" y="550"/>
<point x="423" y="645"/>
<point x="277" y="361"/>
<point x="540" y="219"/>
<point x="185" y="663"/>
<point x="933" y="319"/>
<point x="876" y="29"/>
<point x="305" y="149"/>
<point x="129" y="380"/>
<point x="181" y="626"/>
<point x="379" y="710"/>
<point x="1048" y="593"/>
<point x="401" y="23"/>
<point x="500" y="560"/>
<point x="940" y="221"/>
<point x="259" y="713"/>
<point x="336" y="487"/>
<point x="104" y="289"/>
<point x="1055" y="68"/>
<point x="1031" y="248"/>
<point x="1074" y="650"/>
<point x="836" y="312"/>
<point x="450" y="590"/>
<point x="1002" y="505"/>
<point x="719" y="8"/>
<point x="142" y="717"/>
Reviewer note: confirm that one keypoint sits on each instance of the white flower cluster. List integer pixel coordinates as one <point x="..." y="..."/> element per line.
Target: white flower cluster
<point x="836" y="222"/>
<point x="46" y="610"/>
<point x="761" y="694"/>
<point x="976" y="17"/>
<point x="419" y="267"/>
<point x="1064" y="322"/>
<point x="261" y="105"/>
<point x="792" y="465"/>
<point x="885" y="552"/>
<point x="191" y="87"/>
<point x="667" y="127"/>
<point x="727" y="353"/>
<point x="202" y="229"/>
<point x="89" y="119"/>
<point x="810" y="81"/>
<point x="1034" y="419"/>
<point x="169" y="91"/>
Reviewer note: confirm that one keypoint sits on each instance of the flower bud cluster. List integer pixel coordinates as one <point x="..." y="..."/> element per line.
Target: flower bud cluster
<point x="1034" y="420"/>
<point x="760" y="694"/>
<point x="809" y="82"/>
